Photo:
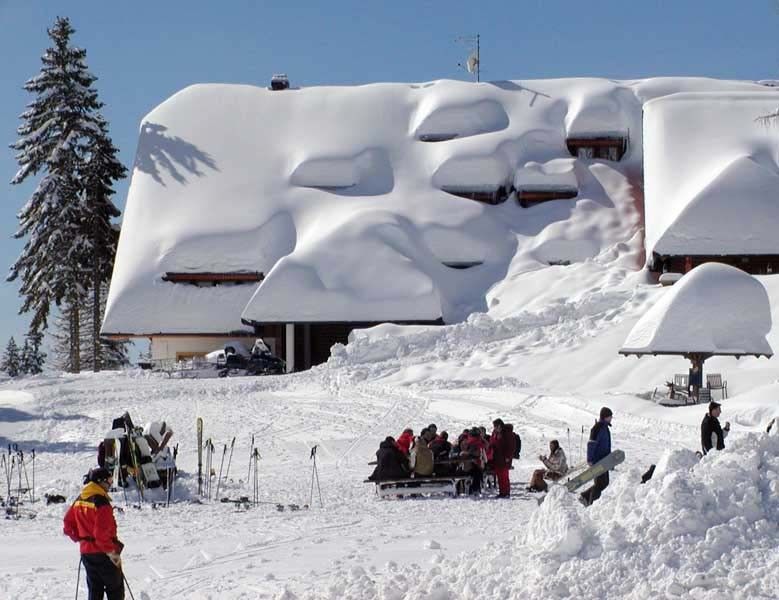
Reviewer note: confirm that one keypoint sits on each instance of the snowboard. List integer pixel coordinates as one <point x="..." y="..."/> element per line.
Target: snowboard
<point x="607" y="463"/>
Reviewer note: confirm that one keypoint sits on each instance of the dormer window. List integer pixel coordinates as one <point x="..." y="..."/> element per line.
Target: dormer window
<point x="486" y="195"/>
<point x="604" y="147"/>
<point x="531" y="197"/>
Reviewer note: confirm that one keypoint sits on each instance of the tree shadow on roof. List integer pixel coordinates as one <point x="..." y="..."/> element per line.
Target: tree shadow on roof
<point x="158" y="151"/>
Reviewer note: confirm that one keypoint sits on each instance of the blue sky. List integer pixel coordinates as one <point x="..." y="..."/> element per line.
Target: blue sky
<point x="142" y="52"/>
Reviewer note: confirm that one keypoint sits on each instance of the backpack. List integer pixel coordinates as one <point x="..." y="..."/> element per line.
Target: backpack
<point x="517" y="445"/>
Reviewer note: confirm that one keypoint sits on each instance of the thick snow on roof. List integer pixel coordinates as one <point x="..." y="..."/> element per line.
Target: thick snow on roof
<point x="331" y="193"/>
<point x="711" y="174"/>
<point x="556" y="174"/>
<point x="713" y="309"/>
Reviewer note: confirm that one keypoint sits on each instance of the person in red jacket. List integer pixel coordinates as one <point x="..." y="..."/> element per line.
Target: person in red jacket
<point x="405" y="441"/>
<point x="502" y="446"/>
<point x="90" y="522"/>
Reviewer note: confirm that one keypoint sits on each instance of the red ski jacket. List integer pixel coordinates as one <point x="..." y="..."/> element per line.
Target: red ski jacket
<point x="404" y="442"/>
<point x="90" y="521"/>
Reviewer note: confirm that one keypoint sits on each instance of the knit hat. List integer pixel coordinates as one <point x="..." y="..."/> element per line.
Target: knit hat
<point x="605" y="412"/>
<point x="99" y="475"/>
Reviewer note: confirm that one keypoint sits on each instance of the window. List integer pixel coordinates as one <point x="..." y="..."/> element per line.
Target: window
<point x="528" y="198"/>
<point x="210" y="279"/>
<point x="603" y="147"/>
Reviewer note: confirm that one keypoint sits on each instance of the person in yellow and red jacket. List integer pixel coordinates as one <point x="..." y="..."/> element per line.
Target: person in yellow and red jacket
<point x="90" y="522"/>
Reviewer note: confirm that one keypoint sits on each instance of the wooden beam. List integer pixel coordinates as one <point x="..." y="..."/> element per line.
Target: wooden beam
<point x="209" y="276"/>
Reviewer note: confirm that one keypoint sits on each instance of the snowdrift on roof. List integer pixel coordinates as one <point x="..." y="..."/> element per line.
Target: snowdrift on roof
<point x="556" y="174"/>
<point x="713" y="309"/>
<point x="266" y="180"/>
<point x="736" y="213"/>
<point x="711" y="174"/>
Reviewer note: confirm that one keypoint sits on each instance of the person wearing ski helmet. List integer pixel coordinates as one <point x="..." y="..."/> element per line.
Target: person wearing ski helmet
<point x="598" y="447"/>
<point x="90" y="522"/>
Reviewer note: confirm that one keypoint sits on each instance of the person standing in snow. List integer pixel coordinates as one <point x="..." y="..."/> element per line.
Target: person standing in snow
<point x="501" y="445"/>
<point x="90" y="522"/>
<point x="598" y="447"/>
<point x="712" y="434"/>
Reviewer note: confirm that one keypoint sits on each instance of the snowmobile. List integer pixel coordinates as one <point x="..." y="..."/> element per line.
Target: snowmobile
<point x="260" y="361"/>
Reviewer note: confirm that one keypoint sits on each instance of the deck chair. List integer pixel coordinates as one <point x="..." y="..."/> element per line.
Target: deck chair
<point x="714" y="382"/>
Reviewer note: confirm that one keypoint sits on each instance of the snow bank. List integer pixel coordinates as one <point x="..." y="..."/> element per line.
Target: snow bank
<point x="713" y="309"/>
<point x="460" y="120"/>
<point x="703" y="529"/>
<point x="472" y="173"/>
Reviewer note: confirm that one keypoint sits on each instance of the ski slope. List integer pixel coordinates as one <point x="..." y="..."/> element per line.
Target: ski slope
<point x="355" y="546"/>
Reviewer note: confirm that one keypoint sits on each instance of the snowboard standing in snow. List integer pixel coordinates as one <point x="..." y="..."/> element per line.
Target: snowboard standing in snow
<point x="604" y="465"/>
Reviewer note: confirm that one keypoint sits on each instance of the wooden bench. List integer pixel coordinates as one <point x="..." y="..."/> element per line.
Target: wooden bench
<point x="452" y="485"/>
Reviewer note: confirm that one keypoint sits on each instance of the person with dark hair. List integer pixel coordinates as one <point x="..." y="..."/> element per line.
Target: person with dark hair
<point x="598" y="447"/>
<point x="502" y="446"/>
<point x="712" y="434"/>
<point x="441" y="448"/>
<point x="474" y="448"/>
<point x="556" y="467"/>
<point x="90" y="522"/>
<point x="405" y="441"/>
<point x="391" y="463"/>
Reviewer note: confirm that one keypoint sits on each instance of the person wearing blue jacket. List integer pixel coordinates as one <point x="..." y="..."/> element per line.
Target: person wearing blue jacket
<point x="598" y="447"/>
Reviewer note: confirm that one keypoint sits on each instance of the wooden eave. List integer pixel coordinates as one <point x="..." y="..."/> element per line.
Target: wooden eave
<point x="209" y="276"/>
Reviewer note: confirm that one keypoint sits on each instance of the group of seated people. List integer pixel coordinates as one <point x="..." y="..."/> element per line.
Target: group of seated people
<point x="431" y="454"/>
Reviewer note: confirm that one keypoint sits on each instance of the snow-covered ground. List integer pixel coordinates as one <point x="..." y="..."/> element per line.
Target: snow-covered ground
<point x="697" y="530"/>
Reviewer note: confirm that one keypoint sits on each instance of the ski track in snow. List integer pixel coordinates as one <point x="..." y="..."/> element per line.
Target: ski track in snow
<point x="211" y="550"/>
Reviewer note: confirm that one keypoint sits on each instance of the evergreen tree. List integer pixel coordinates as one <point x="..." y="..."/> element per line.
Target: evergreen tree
<point x="101" y="171"/>
<point x="33" y="357"/>
<point x="67" y="221"/>
<point x="11" y="359"/>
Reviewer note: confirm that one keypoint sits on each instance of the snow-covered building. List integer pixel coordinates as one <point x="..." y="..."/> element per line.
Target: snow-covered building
<point x="712" y="181"/>
<point x="298" y="216"/>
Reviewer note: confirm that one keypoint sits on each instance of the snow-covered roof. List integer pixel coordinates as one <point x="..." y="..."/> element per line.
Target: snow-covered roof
<point x="332" y="195"/>
<point x="713" y="309"/>
<point x="711" y="174"/>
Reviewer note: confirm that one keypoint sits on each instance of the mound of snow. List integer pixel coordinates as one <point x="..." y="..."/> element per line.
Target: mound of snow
<point x="713" y="309"/>
<point x="710" y="165"/>
<point x="729" y="203"/>
<point x="702" y="529"/>
<point x="472" y="173"/>
<point x="326" y="172"/>
<point x="461" y="120"/>
<point x="556" y="174"/>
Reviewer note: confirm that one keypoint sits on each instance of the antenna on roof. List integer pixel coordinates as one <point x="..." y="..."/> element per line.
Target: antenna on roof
<point x="473" y="62"/>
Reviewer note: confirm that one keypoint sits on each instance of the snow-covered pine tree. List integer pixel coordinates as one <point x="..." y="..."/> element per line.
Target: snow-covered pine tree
<point x="61" y="336"/>
<point x="11" y="359"/>
<point x="101" y="170"/>
<point x="54" y="139"/>
<point x="33" y="357"/>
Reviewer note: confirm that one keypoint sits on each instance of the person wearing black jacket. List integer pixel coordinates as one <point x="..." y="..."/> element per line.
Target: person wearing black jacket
<point x="391" y="462"/>
<point x="712" y="434"/>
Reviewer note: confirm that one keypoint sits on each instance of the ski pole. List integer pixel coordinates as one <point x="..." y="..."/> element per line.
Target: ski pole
<point x="230" y="460"/>
<point x="78" y="577"/>
<point x="251" y="456"/>
<point x="33" y="475"/>
<point x="127" y="584"/>
<point x="221" y="464"/>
